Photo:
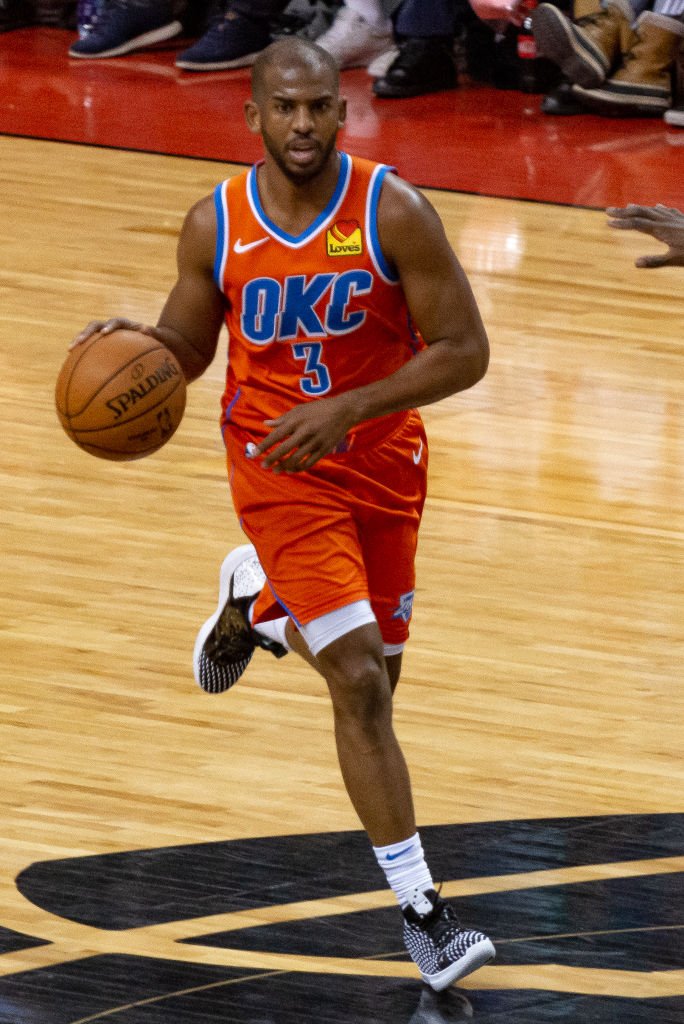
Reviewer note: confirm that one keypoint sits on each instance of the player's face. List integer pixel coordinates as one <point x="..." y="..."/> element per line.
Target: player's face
<point x="298" y="117"/>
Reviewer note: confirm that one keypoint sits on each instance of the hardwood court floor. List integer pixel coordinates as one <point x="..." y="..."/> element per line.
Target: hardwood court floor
<point x="172" y="857"/>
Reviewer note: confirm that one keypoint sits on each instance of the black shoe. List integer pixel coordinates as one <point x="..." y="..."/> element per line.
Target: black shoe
<point x="438" y="945"/>
<point x="120" y="28"/>
<point x="562" y="101"/>
<point x="231" y="40"/>
<point x="226" y="642"/>
<point x="421" y="66"/>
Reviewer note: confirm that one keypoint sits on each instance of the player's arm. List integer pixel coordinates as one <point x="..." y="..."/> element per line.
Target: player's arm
<point x="441" y="303"/>
<point x="192" y="316"/>
<point x="443" y="308"/>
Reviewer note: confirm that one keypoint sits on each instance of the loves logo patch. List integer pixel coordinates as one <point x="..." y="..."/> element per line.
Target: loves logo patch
<point x="344" y="239"/>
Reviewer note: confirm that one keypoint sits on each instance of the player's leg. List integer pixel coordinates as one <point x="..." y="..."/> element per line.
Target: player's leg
<point x="296" y="642"/>
<point x="376" y="777"/>
<point x="372" y="764"/>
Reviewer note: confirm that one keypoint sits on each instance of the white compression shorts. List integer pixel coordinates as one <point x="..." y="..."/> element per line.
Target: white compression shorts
<point x="322" y="631"/>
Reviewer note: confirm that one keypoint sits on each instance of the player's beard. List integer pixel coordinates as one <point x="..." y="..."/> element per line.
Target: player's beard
<point x="293" y="173"/>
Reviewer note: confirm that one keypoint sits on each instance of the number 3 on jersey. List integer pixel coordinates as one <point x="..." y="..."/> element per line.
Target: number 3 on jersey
<point x="318" y="383"/>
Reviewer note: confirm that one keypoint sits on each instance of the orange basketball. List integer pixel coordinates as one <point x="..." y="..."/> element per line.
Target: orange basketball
<point x="121" y="395"/>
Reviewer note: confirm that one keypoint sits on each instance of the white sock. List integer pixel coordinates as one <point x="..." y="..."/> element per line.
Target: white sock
<point x="274" y="629"/>
<point x="405" y="868"/>
<point x="372" y="12"/>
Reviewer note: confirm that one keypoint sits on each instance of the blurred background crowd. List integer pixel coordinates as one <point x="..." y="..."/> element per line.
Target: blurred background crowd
<point x="624" y="58"/>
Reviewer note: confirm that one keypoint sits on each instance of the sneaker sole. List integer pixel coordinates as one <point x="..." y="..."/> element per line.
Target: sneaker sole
<point x="628" y="100"/>
<point x="675" y="117"/>
<point x="230" y="564"/>
<point x="158" y="35"/>
<point x="558" y="41"/>
<point x="477" y="956"/>
<point x="218" y="65"/>
<point x="389" y="92"/>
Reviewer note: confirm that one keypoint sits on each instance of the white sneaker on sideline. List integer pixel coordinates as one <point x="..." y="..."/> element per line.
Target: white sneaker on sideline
<point x="379" y="67"/>
<point x="353" y="41"/>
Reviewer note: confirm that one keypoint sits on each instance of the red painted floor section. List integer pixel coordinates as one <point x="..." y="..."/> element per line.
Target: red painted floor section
<point x="476" y="139"/>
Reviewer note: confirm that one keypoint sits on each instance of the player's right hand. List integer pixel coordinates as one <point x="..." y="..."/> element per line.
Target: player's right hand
<point x="107" y="326"/>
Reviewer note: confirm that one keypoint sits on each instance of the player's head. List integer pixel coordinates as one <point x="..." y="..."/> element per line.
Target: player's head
<point x="296" y="106"/>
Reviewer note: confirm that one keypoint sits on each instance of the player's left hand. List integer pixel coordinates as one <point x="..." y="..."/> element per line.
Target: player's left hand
<point x="305" y="434"/>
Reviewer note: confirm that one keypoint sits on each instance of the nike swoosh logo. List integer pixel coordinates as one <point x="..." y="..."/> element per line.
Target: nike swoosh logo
<point x="241" y="246"/>
<point x="418" y="455"/>
<point x="393" y="856"/>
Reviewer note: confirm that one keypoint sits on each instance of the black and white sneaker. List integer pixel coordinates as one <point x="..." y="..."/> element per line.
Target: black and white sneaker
<point x="226" y="642"/>
<point x="441" y="948"/>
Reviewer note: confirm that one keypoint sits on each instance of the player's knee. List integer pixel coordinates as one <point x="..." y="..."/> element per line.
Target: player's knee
<point x="362" y="695"/>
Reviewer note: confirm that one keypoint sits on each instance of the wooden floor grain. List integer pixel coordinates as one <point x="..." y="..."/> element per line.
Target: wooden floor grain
<point x="543" y="677"/>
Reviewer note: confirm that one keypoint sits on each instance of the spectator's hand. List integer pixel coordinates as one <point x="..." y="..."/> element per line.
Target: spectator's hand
<point x="501" y="11"/>
<point x="662" y="222"/>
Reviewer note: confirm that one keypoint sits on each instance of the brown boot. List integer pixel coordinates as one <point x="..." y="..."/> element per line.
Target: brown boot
<point x="675" y="116"/>
<point x="588" y="49"/>
<point x="642" y="87"/>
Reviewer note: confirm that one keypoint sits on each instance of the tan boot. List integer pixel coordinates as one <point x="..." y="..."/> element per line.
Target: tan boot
<point x="642" y="87"/>
<point x="588" y="49"/>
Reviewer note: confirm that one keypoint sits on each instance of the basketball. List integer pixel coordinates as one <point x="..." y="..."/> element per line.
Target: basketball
<point x="120" y="396"/>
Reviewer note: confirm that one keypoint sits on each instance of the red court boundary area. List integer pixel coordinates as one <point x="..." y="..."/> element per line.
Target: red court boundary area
<point x="475" y="139"/>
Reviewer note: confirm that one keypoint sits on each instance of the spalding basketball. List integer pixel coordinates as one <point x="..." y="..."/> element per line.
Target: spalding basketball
<point x="121" y="395"/>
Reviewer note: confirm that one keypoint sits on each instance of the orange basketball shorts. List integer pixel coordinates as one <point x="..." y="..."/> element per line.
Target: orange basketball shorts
<point x="344" y="531"/>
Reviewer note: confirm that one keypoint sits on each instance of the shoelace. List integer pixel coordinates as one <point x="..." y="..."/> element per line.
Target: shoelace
<point x="445" y="924"/>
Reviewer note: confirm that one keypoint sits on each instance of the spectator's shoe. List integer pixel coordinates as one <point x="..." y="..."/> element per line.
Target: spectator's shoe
<point x="642" y="87"/>
<point x="353" y="41"/>
<point x="226" y="642"/>
<point x="15" y="14"/>
<point x="231" y="41"/>
<point x="121" y="27"/>
<point x="441" y="948"/>
<point x="561" y="101"/>
<point x="308" y="19"/>
<point x="588" y="49"/>
<point x="675" y="116"/>
<point x="421" y="66"/>
<point x="379" y="67"/>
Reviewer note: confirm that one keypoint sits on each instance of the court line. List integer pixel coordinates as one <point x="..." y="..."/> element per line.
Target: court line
<point x="170" y="995"/>
<point x="271" y="974"/>
<point x="73" y="941"/>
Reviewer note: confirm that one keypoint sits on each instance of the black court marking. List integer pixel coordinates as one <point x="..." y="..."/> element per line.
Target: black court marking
<point x="146" y="887"/>
<point x="12" y="942"/>
<point x="631" y="924"/>
<point x="129" y="990"/>
<point x="627" y="924"/>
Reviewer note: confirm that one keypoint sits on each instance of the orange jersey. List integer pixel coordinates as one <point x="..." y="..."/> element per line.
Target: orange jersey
<point x="311" y="315"/>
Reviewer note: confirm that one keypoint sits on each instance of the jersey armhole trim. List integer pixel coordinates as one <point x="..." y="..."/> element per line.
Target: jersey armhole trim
<point x="222" y="233"/>
<point x="372" y="235"/>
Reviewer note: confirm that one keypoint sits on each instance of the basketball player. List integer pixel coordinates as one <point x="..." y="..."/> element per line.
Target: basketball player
<point x="346" y="309"/>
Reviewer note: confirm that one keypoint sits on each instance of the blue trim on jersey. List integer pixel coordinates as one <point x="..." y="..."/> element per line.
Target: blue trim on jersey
<point x="284" y="606"/>
<point x="372" y="225"/>
<point x="220" y="235"/>
<point x="342" y="181"/>
<point x="226" y="415"/>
